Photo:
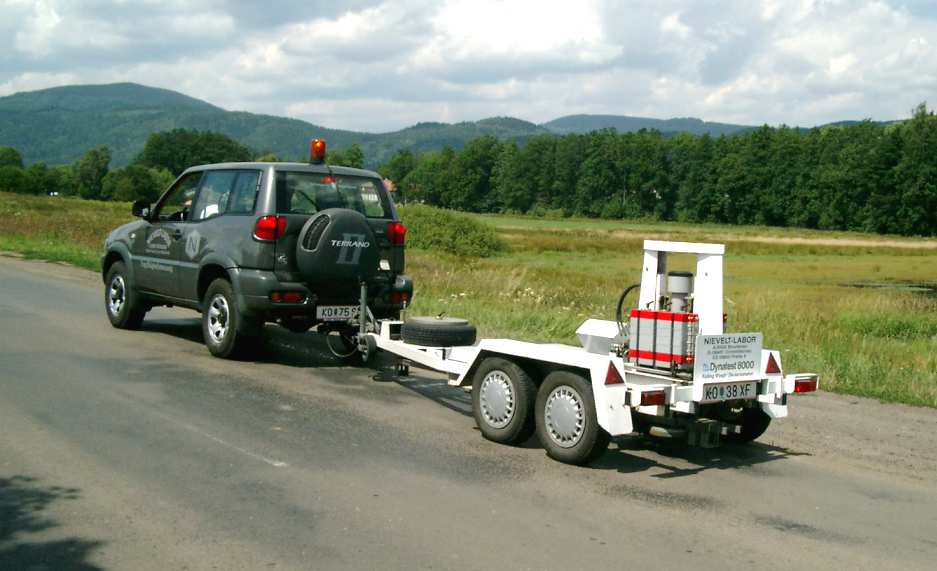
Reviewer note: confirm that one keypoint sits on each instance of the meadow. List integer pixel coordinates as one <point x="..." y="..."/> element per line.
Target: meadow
<point x="859" y="309"/>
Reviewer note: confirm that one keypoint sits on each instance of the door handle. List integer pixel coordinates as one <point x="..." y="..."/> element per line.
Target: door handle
<point x="176" y="234"/>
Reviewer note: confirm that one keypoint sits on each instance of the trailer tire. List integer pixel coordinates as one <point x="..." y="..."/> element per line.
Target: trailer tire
<point x="753" y="422"/>
<point x="503" y="396"/>
<point x="566" y="419"/>
<point x="437" y="331"/>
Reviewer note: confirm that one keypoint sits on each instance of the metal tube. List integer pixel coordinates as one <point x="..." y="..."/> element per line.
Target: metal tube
<point x="363" y="312"/>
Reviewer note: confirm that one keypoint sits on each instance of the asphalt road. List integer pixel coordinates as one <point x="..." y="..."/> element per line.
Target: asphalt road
<point x="138" y="450"/>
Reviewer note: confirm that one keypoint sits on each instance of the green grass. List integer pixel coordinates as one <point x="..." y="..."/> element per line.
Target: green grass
<point x="878" y="342"/>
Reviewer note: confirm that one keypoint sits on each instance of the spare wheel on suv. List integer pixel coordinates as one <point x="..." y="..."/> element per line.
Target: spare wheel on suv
<point x="337" y="244"/>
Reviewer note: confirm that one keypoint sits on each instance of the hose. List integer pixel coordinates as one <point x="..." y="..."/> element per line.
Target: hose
<point x="621" y="303"/>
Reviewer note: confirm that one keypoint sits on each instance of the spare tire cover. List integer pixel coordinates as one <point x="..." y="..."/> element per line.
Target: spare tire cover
<point x="337" y="244"/>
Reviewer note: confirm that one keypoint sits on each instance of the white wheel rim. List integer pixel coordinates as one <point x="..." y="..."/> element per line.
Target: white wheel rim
<point x="564" y="416"/>
<point x="218" y="318"/>
<point x="117" y="294"/>
<point x="496" y="399"/>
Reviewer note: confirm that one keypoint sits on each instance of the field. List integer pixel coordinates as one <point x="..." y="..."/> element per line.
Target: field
<point x="859" y="309"/>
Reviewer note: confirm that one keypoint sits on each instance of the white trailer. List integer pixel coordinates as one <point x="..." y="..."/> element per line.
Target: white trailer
<point x="671" y="371"/>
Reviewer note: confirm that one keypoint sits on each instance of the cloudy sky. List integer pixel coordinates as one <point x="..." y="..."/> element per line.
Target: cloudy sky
<point x="383" y="65"/>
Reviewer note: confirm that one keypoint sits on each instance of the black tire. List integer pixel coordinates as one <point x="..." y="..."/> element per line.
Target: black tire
<point x="753" y="423"/>
<point x="121" y="302"/>
<point x="572" y="394"/>
<point x="438" y="331"/>
<point x="227" y="333"/>
<point x="503" y="397"/>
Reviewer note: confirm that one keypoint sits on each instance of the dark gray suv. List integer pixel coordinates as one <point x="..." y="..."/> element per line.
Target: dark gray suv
<point x="248" y="243"/>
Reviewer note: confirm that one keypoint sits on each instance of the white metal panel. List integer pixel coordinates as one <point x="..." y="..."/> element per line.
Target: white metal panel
<point x="596" y="335"/>
<point x="684" y="247"/>
<point x="707" y="294"/>
<point x="546" y="352"/>
<point x="651" y="279"/>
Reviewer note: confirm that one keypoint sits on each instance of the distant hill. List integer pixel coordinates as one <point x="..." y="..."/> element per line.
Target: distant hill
<point x="625" y="124"/>
<point x="58" y="125"/>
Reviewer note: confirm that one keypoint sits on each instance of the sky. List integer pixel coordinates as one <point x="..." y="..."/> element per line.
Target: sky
<point x="383" y="65"/>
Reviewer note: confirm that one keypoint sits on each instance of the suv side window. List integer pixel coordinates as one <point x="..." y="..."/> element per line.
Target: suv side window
<point x="213" y="194"/>
<point x="177" y="203"/>
<point x="244" y="193"/>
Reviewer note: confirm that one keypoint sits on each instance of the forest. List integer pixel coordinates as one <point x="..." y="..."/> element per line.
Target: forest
<point x="866" y="176"/>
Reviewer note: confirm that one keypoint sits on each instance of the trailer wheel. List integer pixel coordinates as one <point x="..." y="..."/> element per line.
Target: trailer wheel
<point x="566" y="420"/>
<point x="437" y="331"/>
<point x="503" y="397"/>
<point x="753" y="422"/>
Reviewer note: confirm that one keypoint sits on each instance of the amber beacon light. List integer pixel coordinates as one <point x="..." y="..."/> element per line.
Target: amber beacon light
<point x="317" y="151"/>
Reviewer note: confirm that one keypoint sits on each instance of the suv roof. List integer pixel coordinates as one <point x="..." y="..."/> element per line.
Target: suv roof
<point x="308" y="167"/>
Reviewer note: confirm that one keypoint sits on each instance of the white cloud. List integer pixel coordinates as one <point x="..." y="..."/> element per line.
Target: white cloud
<point x="379" y="65"/>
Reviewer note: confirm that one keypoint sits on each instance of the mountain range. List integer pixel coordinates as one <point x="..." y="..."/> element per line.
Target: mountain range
<point x="59" y="124"/>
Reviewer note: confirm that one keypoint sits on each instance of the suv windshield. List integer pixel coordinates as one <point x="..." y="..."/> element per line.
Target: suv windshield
<point x="308" y="193"/>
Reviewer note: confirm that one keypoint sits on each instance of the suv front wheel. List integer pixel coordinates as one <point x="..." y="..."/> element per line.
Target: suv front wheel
<point x="228" y="334"/>
<point x="120" y="300"/>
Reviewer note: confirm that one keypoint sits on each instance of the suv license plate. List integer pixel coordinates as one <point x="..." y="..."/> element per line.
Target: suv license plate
<point x="336" y="312"/>
<point x="718" y="392"/>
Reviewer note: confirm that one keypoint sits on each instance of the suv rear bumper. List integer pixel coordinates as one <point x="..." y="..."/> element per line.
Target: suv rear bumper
<point x="254" y="287"/>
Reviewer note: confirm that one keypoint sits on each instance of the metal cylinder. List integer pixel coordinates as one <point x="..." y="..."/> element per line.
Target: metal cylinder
<point x="679" y="285"/>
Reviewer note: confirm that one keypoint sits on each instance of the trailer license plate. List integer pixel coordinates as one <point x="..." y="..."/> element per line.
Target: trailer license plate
<point x="718" y="392"/>
<point x="336" y="312"/>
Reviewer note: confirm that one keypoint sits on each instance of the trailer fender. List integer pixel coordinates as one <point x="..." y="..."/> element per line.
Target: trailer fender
<point x="611" y="401"/>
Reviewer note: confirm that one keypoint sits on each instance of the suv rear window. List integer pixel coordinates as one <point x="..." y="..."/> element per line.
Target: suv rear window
<point x="308" y="193"/>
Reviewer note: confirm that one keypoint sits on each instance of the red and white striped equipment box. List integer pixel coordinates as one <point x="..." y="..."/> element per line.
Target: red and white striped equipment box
<point x="662" y="339"/>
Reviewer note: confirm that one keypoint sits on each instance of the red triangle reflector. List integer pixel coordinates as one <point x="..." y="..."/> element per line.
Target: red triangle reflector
<point x="772" y="368"/>
<point x="612" y="377"/>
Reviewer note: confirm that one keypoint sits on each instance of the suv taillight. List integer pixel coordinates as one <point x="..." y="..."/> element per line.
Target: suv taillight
<point x="270" y="228"/>
<point x="396" y="233"/>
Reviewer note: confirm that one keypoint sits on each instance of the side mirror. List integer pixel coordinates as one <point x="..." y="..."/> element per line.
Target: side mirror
<point x="141" y="209"/>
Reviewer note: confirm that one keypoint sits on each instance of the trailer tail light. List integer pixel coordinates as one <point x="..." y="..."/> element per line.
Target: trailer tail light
<point x="806" y="384"/>
<point x="612" y="376"/>
<point x="317" y="151"/>
<point x="287" y="297"/>
<point x="653" y="398"/>
<point x="269" y="228"/>
<point x="396" y="233"/>
<point x="772" y="368"/>
<point x="399" y="297"/>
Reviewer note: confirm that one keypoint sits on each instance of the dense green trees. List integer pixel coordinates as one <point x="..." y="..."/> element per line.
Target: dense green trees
<point x="180" y="149"/>
<point x="866" y="177"/>
<point x="10" y="157"/>
<point x="136" y="182"/>
<point x="91" y="170"/>
<point x="350" y="157"/>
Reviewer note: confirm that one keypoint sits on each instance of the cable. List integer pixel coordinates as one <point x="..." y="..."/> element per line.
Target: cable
<point x="621" y="303"/>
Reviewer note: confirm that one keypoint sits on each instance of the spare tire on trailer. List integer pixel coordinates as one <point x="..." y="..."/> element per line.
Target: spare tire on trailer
<point x="437" y="331"/>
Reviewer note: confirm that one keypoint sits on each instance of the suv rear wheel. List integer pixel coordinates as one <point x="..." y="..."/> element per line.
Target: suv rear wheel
<point x="120" y="301"/>
<point x="228" y="334"/>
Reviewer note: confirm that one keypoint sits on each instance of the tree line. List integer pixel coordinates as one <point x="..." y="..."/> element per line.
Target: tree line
<point x="164" y="156"/>
<point x="868" y="176"/>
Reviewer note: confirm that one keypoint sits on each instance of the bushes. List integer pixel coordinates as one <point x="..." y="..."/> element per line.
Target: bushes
<point x="443" y="230"/>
